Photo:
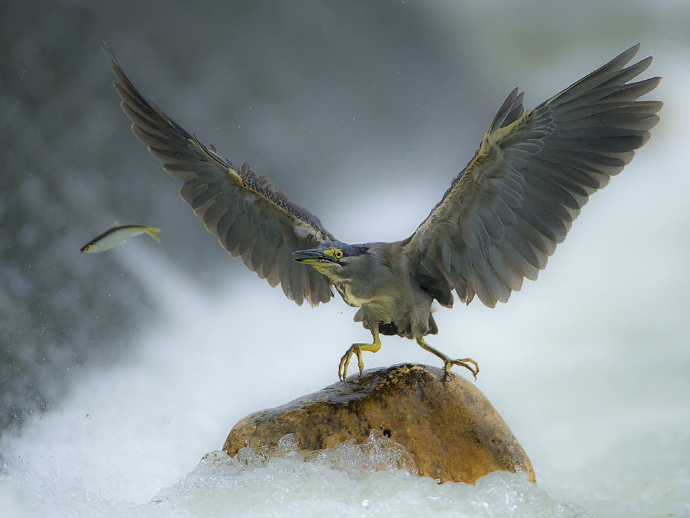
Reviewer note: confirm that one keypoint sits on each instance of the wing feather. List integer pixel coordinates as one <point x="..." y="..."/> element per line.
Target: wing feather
<point x="507" y="211"/>
<point x="249" y="217"/>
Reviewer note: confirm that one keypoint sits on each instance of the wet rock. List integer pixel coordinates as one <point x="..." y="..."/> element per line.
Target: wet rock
<point x="450" y="429"/>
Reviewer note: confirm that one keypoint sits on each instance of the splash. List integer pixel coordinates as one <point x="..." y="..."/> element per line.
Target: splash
<point x="378" y="476"/>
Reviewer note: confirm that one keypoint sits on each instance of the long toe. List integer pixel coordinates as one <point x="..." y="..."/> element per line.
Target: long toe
<point x="465" y="362"/>
<point x="360" y="362"/>
<point x="345" y="362"/>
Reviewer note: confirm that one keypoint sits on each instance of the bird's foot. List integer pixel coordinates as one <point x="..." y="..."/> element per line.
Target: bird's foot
<point x="345" y="361"/>
<point x="356" y="349"/>
<point x="465" y="362"/>
<point x="449" y="362"/>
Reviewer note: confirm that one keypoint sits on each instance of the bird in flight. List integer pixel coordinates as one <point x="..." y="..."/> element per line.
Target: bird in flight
<point x="498" y="223"/>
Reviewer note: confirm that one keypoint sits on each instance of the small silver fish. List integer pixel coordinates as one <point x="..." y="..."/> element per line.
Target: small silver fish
<point x="116" y="235"/>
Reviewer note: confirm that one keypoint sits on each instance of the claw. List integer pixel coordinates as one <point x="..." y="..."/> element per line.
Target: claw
<point x="357" y="349"/>
<point x="448" y="362"/>
<point x="345" y="362"/>
<point x="464" y="363"/>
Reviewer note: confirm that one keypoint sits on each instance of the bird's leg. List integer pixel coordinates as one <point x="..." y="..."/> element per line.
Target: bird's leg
<point x="448" y="362"/>
<point x="357" y="350"/>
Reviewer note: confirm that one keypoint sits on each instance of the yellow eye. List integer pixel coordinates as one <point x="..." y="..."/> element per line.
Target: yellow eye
<point x="338" y="254"/>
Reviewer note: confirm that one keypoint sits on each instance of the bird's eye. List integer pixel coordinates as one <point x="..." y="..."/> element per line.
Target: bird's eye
<point x="338" y="254"/>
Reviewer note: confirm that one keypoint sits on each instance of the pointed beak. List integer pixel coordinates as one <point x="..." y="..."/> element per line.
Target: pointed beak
<point x="310" y="257"/>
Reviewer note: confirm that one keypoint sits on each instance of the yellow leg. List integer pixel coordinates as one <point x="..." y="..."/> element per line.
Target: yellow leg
<point x="447" y="362"/>
<point x="357" y="350"/>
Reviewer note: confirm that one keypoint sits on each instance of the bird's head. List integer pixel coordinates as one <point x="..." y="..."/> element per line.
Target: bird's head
<point x="332" y="257"/>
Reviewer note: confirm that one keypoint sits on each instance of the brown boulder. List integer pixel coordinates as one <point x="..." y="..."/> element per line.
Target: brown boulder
<point x="450" y="429"/>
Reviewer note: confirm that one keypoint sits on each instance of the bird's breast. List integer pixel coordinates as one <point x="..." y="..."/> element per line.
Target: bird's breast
<point x="357" y="299"/>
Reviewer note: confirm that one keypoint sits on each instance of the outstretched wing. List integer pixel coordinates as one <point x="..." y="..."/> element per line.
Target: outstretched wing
<point x="250" y="219"/>
<point x="506" y="212"/>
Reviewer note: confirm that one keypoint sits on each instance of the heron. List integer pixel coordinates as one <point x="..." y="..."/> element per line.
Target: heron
<point x="498" y="223"/>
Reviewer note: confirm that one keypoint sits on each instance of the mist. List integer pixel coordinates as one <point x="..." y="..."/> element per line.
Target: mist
<point x="362" y="113"/>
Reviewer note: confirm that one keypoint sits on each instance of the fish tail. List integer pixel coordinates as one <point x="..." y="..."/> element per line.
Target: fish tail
<point x="151" y="231"/>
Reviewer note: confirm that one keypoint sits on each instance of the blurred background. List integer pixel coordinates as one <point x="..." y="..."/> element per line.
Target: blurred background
<point x="362" y="112"/>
